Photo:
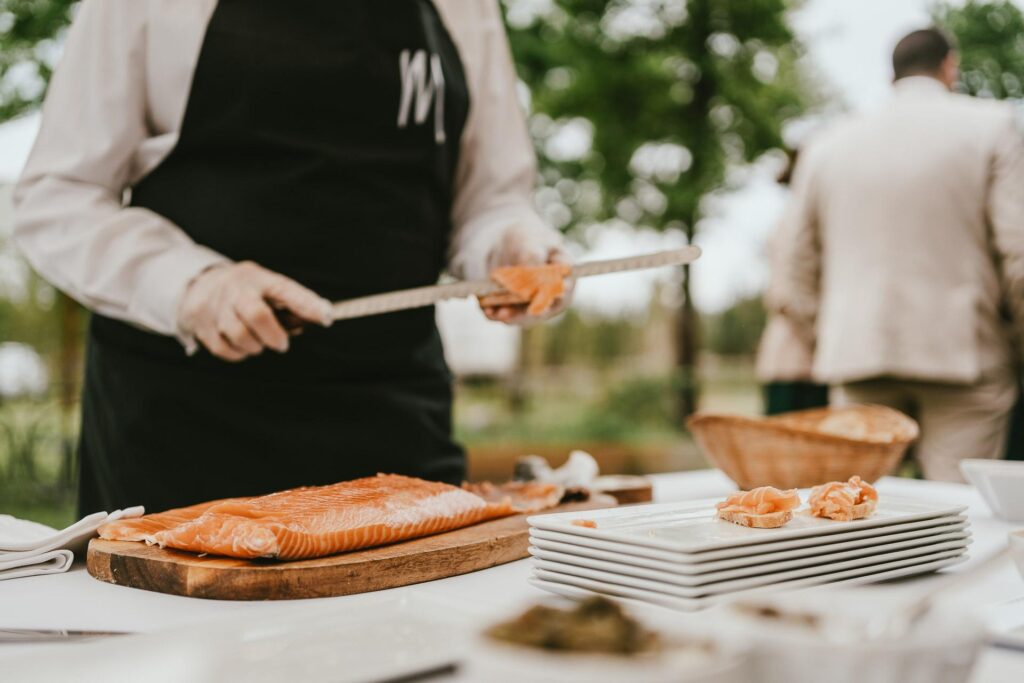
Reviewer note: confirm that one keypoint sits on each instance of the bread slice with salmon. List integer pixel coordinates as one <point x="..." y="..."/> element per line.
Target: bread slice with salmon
<point x="843" y="501"/>
<point x="765" y="507"/>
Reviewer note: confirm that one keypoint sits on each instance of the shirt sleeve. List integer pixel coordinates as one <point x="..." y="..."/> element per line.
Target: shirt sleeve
<point x="497" y="165"/>
<point x="71" y="223"/>
<point x="1005" y="208"/>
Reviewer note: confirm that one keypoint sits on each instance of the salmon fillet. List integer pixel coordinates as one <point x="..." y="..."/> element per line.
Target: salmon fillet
<point x="538" y="286"/>
<point x="843" y="500"/>
<point x="325" y="520"/>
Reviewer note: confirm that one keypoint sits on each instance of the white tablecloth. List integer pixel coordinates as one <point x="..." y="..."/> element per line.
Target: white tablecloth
<point x="77" y="601"/>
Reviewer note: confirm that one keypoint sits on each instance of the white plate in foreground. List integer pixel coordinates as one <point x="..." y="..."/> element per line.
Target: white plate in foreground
<point x="661" y="559"/>
<point x="575" y="587"/>
<point x="693" y="527"/>
<point x="666" y="571"/>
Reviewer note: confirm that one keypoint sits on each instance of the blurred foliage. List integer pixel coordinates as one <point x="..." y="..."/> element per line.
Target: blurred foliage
<point x="737" y="330"/>
<point x="597" y="342"/>
<point x="671" y="94"/>
<point x="30" y="318"/>
<point x="635" y="405"/>
<point x="30" y="32"/>
<point x="34" y="481"/>
<point x="713" y="82"/>
<point x="990" y="37"/>
<point x="36" y="436"/>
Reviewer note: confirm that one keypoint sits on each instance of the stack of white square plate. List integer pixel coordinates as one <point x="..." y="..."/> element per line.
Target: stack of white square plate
<point x="681" y="555"/>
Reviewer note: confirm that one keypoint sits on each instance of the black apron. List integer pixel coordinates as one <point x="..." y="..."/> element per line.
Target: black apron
<point x="319" y="142"/>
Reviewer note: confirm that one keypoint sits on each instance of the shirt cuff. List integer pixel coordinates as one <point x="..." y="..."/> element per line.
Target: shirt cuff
<point x="156" y="302"/>
<point x="484" y="235"/>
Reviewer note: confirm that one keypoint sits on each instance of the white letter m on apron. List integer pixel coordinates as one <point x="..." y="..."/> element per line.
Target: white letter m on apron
<point x="420" y="89"/>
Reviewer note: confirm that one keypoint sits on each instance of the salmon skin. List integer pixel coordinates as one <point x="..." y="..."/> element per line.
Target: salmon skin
<point x="537" y="286"/>
<point x="320" y="520"/>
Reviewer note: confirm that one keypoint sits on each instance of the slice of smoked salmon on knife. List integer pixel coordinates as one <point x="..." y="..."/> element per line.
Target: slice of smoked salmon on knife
<point x="317" y="521"/>
<point x="537" y="286"/>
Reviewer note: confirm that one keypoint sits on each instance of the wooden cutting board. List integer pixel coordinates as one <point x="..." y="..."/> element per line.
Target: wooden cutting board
<point x="138" y="565"/>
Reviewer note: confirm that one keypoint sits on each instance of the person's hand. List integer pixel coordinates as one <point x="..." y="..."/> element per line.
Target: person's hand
<point x="515" y="250"/>
<point x="230" y="309"/>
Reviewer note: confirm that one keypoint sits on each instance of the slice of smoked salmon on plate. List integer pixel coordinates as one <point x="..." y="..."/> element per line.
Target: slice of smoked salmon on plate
<point x="765" y="507"/>
<point x="536" y="287"/>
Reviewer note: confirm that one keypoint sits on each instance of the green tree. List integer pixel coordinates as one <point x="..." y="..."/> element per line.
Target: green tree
<point x="990" y="37"/>
<point x="30" y="32"/>
<point x="672" y="94"/>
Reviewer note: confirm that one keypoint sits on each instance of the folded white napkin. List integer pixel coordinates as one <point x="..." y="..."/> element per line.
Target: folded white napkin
<point x="31" y="549"/>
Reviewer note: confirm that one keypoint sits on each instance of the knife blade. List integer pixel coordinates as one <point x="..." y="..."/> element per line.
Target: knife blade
<point x="35" y="635"/>
<point x="375" y="304"/>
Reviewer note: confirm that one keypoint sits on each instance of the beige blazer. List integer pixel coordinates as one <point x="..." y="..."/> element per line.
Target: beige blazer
<point x="113" y="113"/>
<point x="904" y="239"/>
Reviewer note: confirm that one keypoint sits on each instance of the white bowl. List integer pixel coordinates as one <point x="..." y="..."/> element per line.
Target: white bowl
<point x="1001" y="483"/>
<point x="942" y="649"/>
<point x="1017" y="549"/>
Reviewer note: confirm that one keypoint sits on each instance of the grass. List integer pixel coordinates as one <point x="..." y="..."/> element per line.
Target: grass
<point x="31" y="445"/>
<point x="57" y="514"/>
<point x="577" y="406"/>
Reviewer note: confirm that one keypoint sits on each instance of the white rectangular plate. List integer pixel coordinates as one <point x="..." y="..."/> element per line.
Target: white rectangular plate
<point x="675" y="573"/>
<point x="674" y="585"/>
<point x="577" y="588"/>
<point x="690" y="563"/>
<point x="693" y="527"/>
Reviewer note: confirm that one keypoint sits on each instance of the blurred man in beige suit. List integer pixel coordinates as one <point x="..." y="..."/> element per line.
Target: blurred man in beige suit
<point x="905" y="257"/>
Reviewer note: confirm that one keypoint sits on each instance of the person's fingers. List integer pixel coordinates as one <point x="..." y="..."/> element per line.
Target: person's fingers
<point x="301" y="301"/>
<point x="559" y="255"/>
<point x="261" y="321"/>
<point x="238" y="335"/>
<point x="510" y="315"/>
<point x="216" y="345"/>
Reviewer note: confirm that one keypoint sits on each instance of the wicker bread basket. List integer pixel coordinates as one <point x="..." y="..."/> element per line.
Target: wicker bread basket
<point x="807" y="447"/>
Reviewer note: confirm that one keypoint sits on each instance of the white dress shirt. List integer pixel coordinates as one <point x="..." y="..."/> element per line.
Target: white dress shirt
<point x="113" y="113"/>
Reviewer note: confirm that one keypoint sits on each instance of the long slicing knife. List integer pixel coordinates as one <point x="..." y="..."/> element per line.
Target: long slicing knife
<point x="35" y="635"/>
<point x="418" y="297"/>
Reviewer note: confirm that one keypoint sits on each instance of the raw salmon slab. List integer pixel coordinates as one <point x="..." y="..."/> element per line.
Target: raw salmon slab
<point x="323" y="520"/>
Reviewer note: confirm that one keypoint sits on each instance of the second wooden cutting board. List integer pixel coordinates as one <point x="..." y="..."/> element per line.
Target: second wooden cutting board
<point x="423" y="559"/>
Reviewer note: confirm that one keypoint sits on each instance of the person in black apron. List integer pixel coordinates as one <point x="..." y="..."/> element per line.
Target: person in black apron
<point x="289" y="156"/>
